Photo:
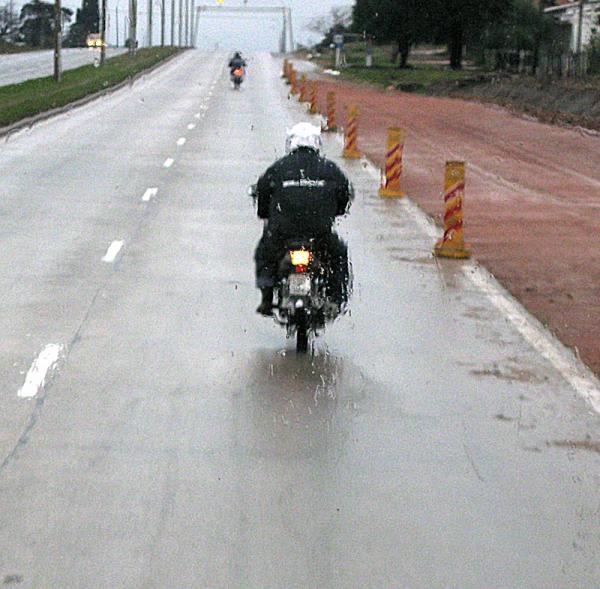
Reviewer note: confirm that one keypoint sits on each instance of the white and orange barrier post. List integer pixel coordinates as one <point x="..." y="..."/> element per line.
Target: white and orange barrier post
<point x="393" y="163"/>
<point x="314" y="108"/>
<point x="351" y="135"/>
<point x="452" y="245"/>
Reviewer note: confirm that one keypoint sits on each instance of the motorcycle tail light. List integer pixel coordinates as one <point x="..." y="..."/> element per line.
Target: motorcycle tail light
<point x="300" y="258"/>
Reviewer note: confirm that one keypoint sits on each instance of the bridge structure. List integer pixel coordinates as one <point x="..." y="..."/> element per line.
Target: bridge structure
<point x="286" y="39"/>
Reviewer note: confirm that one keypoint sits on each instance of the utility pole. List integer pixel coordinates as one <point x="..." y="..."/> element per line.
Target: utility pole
<point x="292" y="45"/>
<point x="57" y="40"/>
<point x="580" y="26"/>
<point x="149" y="23"/>
<point x="172" y="23"/>
<point x="187" y="22"/>
<point x="162" y="23"/>
<point x="11" y="18"/>
<point x="117" y="19"/>
<point x="103" y="34"/>
<point x="180" y="20"/>
<point x="369" y="51"/>
<point x="132" y="27"/>
<point x="283" y="33"/>
<point x="192" y="23"/>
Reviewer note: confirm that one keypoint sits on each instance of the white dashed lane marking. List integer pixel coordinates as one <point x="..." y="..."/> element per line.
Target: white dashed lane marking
<point x="150" y="193"/>
<point x="191" y="126"/>
<point x="40" y="369"/>
<point x="113" y="251"/>
<point x="168" y="162"/>
<point x="181" y="141"/>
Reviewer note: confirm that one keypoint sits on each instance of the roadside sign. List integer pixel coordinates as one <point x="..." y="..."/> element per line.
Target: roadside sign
<point x="338" y="40"/>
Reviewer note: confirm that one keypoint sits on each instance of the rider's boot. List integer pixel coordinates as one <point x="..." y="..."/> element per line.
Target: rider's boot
<point x="266" y="304"/>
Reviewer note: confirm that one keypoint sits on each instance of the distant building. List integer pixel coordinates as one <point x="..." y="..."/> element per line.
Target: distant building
<point x="568" y="14"/>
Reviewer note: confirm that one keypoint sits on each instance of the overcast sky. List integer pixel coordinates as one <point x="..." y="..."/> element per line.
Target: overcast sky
<point x="247" y="33"/>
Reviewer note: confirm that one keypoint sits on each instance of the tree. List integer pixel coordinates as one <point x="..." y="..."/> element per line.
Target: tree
<point x="457" y="22"/>
<point x="8" y="21"/>
<point x="521" y="27"/>
<point x="338" y="20"/>
<point x="37" y="23"/>
<point x="87" y="21"/>
<point x="404" y="22"/>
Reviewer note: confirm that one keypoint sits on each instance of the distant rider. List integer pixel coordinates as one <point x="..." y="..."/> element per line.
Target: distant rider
<point x="300" y="195"/>
<point x="236" y="62"/>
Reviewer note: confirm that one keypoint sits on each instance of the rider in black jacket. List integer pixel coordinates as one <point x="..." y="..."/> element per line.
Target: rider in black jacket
<point x="236" y="61"/>
<point x="300" y="195"/>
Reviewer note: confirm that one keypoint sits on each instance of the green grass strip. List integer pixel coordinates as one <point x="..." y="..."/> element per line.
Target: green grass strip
<point x="19" y="101"/>
<point x="418" y="78"/>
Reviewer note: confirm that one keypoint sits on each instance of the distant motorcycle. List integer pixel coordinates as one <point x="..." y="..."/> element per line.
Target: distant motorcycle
<point x="237" y="77"/>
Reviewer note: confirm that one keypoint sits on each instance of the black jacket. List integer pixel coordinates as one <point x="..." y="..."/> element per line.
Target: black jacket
<point x="236" y="62"/>
<point x="302" y="193"/>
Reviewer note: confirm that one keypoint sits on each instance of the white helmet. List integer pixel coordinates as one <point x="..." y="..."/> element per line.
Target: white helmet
<point x="303" y="135"/>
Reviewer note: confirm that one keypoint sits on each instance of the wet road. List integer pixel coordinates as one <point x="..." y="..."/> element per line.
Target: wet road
<point x="181" y="442"/>
<point x="18" y="67"/>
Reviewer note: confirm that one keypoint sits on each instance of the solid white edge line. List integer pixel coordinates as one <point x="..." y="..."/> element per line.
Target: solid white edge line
<point x="181" y="141"/>
<point x="579" y="376"/>
<point x="113" y="251"/>
<point x="37" y="373"/>
<point x="168" y="162"/>
<point x="575" y="372"/>
<point x="150" y="193"/>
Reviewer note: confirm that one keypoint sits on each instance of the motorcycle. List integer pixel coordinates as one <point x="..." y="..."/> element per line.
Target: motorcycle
<point x="302" y="305"/>
<point x="237" y="77"/>
<point x="301" y="293"/>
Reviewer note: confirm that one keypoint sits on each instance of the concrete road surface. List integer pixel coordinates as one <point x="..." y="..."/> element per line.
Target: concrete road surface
<point x="18" y="67"/>
<point x="155" y="432"/>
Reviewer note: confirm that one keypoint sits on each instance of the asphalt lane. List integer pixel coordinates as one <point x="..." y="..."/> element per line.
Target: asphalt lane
<point x="18" y="67"/>
<point x="181" y="441"/>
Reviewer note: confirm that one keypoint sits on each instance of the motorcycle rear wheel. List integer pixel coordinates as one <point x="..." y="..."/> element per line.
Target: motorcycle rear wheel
<point x="302" y="334"/>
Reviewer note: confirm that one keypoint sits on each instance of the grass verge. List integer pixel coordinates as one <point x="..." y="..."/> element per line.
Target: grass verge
<point x="418" y="78"/>
<point x="20" y="101"/>
<point x="11" y="48"/>
<point x="426" y="73"/>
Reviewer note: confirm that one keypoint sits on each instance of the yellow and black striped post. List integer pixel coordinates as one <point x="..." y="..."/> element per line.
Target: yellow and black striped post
<point x="293" y="81"/>
<point x="288" y="72"/>
<point x="393" y="163"/>
<point x="351" y="135"/>
<point x="452" y="245"/>
<point x="303" y="93"/>
<point x="314" y="108"/>
<point x="331" y="124"/>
